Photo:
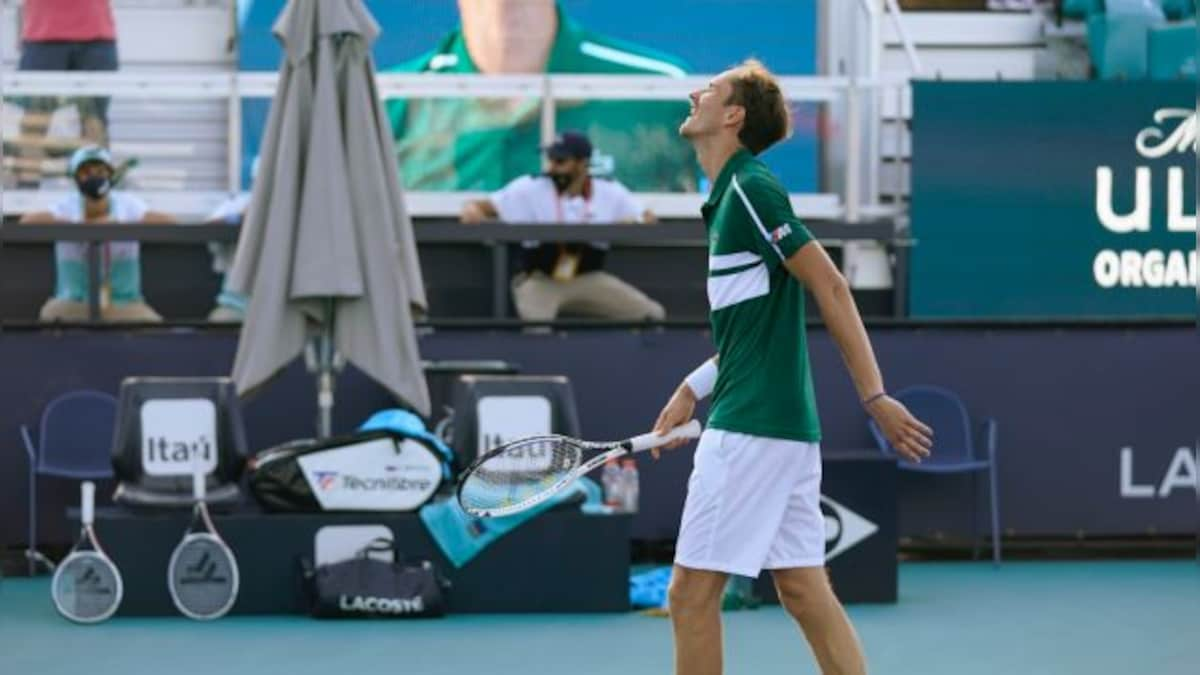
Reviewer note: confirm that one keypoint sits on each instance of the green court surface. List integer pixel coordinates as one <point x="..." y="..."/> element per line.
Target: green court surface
<point x="1025" y="618"/>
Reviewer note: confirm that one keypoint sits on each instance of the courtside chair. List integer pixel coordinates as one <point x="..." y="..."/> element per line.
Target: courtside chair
<point x="953" y="449"/>
<point x="75" y="438"/>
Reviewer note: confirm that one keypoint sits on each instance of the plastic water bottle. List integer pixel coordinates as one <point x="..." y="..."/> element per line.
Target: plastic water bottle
<point x="611" y="481"/>
<point x="629" y="486"/>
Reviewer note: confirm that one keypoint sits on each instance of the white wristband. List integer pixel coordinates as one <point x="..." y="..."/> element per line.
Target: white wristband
<point x="702" y="380"/>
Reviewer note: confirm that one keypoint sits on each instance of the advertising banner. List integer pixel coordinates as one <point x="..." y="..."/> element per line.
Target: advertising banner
<point x="482" y="143"/>
<point x="1097" y="428"/>
<point x="1054" y="199"/>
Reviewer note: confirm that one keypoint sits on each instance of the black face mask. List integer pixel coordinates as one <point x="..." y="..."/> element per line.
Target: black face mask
<point x="94" y="187"/>
<point x="561" y="180"/>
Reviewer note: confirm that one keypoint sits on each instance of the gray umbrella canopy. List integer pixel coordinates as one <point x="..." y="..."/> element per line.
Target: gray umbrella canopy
<point x="327" y="245"/>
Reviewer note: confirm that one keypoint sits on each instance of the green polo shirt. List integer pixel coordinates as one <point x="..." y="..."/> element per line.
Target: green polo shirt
<point x="764" y="381"/>
<point x="482" y="144"/>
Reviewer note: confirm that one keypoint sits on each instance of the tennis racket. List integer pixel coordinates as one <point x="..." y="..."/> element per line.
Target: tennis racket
<point x="87" y="586"/>
<point x="203" y="574"/>
<point x="519" y="475"/>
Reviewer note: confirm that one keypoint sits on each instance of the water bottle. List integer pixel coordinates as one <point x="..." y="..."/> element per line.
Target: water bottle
<point x="629" y="486"/>
<point x="610" y="480"/>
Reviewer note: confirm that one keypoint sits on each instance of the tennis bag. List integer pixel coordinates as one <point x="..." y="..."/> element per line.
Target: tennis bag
<point x="365" y="587"/>
<point x="377" y="470"/>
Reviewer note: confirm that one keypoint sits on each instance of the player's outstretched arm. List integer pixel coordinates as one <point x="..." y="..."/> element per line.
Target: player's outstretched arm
<point x="812" y="266"/>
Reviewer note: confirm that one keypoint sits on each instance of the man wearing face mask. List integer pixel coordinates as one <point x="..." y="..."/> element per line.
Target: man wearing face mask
<point x="120" y="274"/>
<point x="568" y="277"/>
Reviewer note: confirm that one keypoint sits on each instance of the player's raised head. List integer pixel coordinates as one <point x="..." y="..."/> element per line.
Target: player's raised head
<point x="745" y="101"/>
<point x="756" y="90"/>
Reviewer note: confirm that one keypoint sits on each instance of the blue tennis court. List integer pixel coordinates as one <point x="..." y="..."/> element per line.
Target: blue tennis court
<point x="952" y="618"/>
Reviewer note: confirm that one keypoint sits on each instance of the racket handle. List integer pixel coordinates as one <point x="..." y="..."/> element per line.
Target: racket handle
<point x="646" y="441"/>
<point x="87" y="502"/>
<point x="198" y="485"/>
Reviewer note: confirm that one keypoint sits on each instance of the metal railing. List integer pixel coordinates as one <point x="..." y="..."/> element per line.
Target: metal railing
<point x="851" y="205"/>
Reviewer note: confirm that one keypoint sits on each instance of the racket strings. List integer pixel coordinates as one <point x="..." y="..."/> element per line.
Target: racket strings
<point x="86" y="587"/>
<point x="519" y="472"/>
<point x="203" y="576"/>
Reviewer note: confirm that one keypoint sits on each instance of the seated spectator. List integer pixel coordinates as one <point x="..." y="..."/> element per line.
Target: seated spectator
<point x="121" y="274"/>
<point x="567" y="276"/>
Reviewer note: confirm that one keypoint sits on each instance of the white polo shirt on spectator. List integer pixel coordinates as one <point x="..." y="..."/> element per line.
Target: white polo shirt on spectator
<point x="534" y="199"/>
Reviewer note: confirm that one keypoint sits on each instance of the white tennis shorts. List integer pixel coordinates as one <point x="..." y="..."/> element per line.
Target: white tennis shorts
<point x="753" y="503"/>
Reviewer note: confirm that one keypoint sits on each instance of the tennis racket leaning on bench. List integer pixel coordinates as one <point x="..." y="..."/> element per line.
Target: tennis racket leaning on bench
<point x="519" y="475"/>
<point x="203" y="574"/>
<point x="87" y="586"/>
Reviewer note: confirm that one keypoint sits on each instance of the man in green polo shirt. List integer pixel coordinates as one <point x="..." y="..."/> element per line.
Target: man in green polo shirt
<point x="753" y="499"/>
<point x="482" y="144"/>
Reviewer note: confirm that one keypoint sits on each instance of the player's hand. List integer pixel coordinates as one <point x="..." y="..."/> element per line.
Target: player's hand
<point x="472" y="214"/>
<point x="911" y="437"/>
<point x="677" y="411"/>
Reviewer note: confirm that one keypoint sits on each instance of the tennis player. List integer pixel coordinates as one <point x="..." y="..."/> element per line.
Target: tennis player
<point x="753" y="499"/>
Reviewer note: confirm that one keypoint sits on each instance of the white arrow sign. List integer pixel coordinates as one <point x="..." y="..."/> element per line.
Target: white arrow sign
<point x="843" y="528"/>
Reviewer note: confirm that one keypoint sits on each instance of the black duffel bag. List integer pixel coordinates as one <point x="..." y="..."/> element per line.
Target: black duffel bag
<point x="365" y="587"/>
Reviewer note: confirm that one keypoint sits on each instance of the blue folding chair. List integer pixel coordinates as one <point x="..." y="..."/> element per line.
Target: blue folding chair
<point x="75" y="441"/>
<point x="953" y="449"/>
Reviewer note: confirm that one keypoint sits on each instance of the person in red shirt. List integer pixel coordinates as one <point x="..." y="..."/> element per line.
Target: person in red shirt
<point x="64" y="35"/>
